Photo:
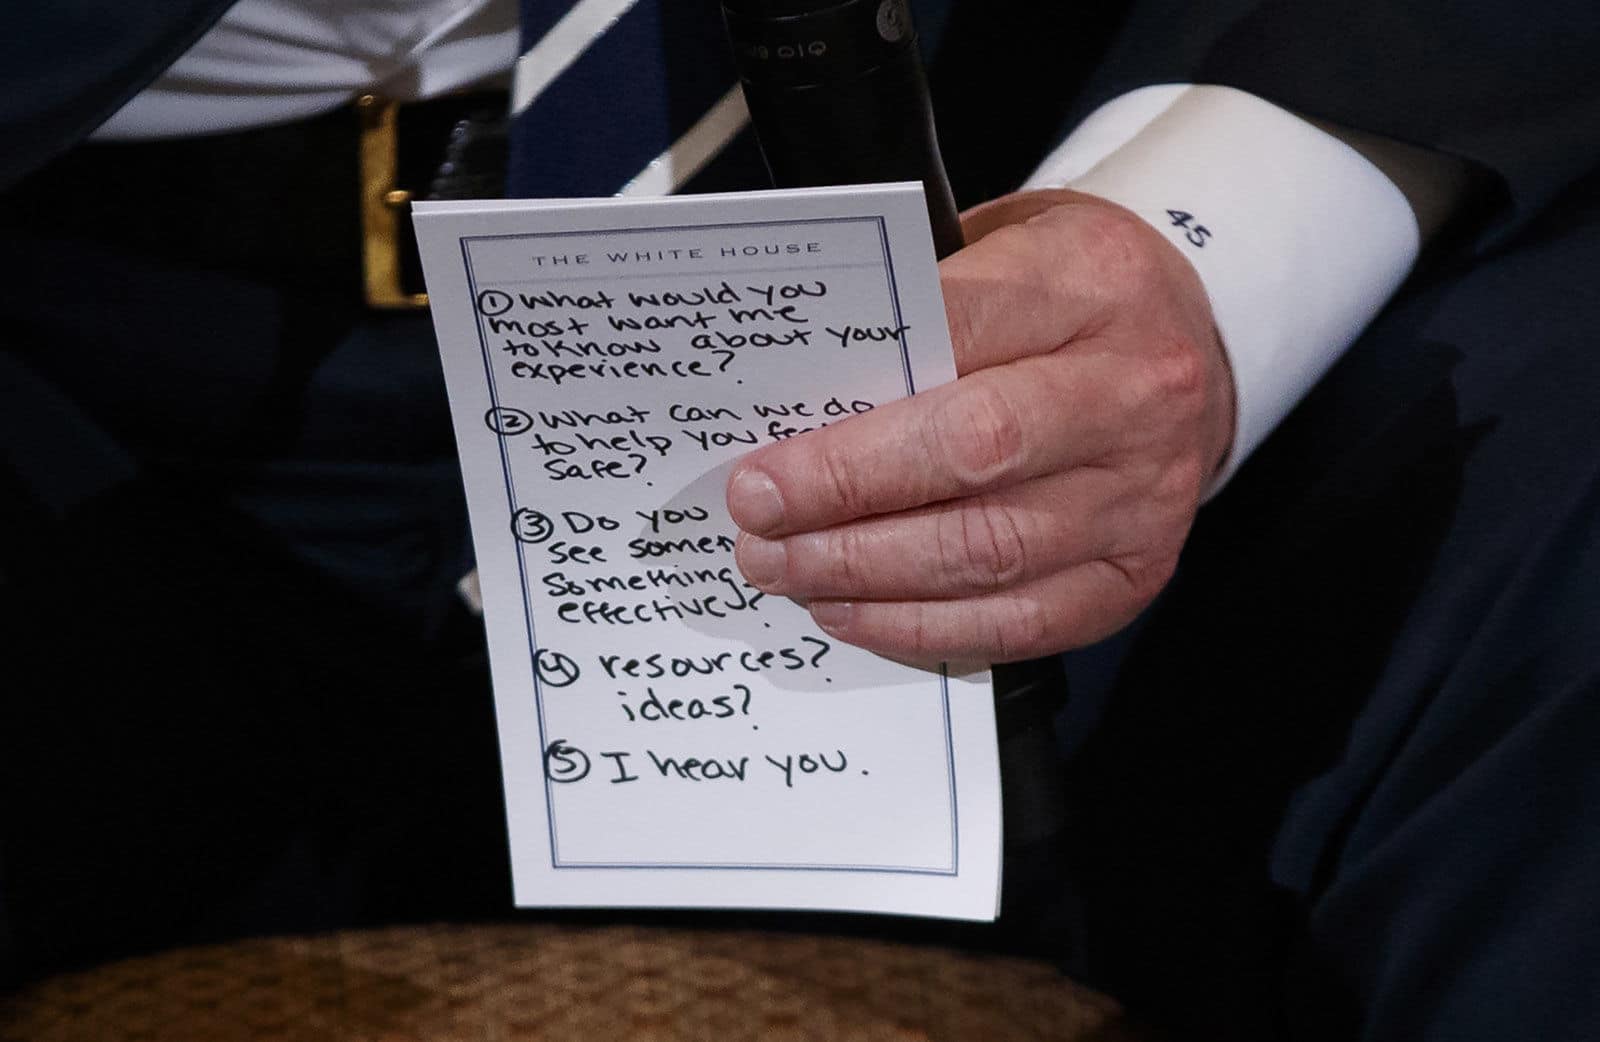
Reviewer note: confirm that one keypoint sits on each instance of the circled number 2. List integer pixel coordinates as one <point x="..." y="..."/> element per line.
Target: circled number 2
<point x="1195" y="233"/>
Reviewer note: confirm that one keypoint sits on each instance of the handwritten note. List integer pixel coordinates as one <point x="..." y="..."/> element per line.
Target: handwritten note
<point x="669" y="735"/>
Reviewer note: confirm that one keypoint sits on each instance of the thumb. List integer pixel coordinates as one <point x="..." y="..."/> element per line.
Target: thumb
<point x="1022" y="288"/>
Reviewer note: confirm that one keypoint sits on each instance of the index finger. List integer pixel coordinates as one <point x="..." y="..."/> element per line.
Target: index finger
<point x="985" y="431"/>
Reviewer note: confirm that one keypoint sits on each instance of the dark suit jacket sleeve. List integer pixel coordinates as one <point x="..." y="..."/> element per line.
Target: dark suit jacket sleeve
<point x="1513" y="87"/>
<point x="67" y="65"/>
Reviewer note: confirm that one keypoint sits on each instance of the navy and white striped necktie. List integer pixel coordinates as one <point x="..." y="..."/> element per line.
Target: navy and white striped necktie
<point x="626" y="97"/>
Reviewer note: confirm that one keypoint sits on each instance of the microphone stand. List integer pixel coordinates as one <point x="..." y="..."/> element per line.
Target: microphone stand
<point x="837" y="95"/>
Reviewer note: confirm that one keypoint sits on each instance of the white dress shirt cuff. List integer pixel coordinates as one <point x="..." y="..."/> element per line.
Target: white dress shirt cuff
<point x="1298" y="239"/>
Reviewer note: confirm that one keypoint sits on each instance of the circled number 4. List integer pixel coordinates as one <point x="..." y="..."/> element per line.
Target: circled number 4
<point x="1195" y="233"/>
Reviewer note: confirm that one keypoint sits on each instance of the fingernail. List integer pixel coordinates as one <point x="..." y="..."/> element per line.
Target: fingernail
<point x="762" y="561"/>
<point x="754" y="502"/>
<point x="832" y="615"/>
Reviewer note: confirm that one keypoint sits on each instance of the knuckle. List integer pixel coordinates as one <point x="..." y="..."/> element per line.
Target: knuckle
<point x="1181" y="369"/>
<point x="979" y="434"/>
<point x="1119" y="242"/>
<point x="842" y="481"/>
<point x="1022" y="629"/>
<point x="845" y="558"/>
<point x="919" y="634"/>
<point x="1184" y="482"/>
<point x="982" y="545"/>
<point x="1170" y="377"/>
<point x="1148" y="574"/>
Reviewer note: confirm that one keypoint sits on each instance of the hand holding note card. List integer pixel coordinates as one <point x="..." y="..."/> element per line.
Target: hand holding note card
<point x="670" y="736"/>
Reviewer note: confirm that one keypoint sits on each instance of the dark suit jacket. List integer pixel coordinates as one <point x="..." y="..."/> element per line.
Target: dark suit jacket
<point x="69" y="66"/>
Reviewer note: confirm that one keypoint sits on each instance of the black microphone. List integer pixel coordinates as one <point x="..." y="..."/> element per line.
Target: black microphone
<point x="837" y="95"/>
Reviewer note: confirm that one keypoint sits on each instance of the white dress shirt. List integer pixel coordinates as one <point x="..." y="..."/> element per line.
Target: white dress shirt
<point x="272" y="61"/>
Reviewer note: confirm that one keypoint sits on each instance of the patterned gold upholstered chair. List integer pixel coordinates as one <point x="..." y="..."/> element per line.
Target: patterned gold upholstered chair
<point x="530" y="983"/>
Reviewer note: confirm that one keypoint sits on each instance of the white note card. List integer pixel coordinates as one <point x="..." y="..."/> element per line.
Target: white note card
<point x="670" y="737"/>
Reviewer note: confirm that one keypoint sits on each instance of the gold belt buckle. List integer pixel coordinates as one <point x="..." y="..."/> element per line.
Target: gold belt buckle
<point x="384" y="205"/>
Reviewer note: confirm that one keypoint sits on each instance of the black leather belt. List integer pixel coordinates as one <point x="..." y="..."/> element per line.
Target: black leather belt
<point x="289" y="204"/>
